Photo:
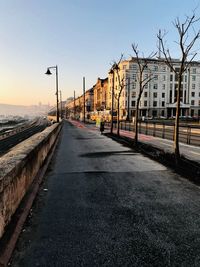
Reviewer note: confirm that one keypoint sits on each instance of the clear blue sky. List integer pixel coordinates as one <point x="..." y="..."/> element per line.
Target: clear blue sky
<point x="82" y="37"/>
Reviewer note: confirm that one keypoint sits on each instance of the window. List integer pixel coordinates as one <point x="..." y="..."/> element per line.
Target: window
<point x="155" y="77"/>
<point x="145" y="94"/>
<point x="199" y="94"/>
<point x="163" y="103"/>
<point x="194" y="70"/>
<point x="134" y="86"/>
<point x="163" y="86"/>
<point x="171" y="78"/>
<point x="155" y="68"/>
<point x="170" y="96"/>
<point x="155" y="86"/>
<point x="192" y="102"/>
<point x="133" y="103"/>
<point x="155" y="103"/>
<point x="163" y="68"/>
<point x="164" y="77"/>
<point x="193" y="86"/>
<point x="185" y="78"/>
<point x="134" y="67"/>
<point x="154" y="113"/>
<point x="193" y="78"/>
<point x="154" y="95"/>
<point x="145" y="103"/>
<point x="133" y="94"/>
<point x="134" y="76"/>
<point x="146" y="86"/>
<point x="163" y="95"/>
<point x="199" y="102"/>
<point x="193" y="94"/>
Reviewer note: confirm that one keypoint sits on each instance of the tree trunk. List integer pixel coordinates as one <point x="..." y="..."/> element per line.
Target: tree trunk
<point x="118" y="117"/>
<point x="176" y="129"/>
<point x="136" y="124"/>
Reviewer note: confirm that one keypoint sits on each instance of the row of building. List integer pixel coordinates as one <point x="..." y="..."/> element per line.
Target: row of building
<point x="158" y="98"/>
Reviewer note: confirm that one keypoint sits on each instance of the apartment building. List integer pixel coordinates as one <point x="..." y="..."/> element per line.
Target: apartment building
<point x="75" y="107"/>
<point x="159" y="95"/>
<point x="100" y="94"/>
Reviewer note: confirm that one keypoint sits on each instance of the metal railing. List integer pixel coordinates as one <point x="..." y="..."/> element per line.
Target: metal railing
<point x="189" y="134"/>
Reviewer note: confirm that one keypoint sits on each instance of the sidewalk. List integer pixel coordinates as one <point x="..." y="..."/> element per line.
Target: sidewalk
<point x="97" y="202"/>
<point x="188" y="151"/>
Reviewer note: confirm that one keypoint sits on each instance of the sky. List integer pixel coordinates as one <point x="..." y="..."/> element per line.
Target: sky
<point x="82" y="37"/>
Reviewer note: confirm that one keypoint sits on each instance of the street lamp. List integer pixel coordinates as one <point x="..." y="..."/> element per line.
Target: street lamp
<point x="49" y="73"/>
<point x="112" y="99"/>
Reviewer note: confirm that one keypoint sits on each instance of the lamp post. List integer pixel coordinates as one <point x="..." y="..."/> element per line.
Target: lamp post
<point x="112" y="99"/>
<point x="84" y="99"/>
<point x="48" y="72"/>
<point x="61" y="104"/>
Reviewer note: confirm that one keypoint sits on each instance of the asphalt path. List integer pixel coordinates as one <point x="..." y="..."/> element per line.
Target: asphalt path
<point x="103" y="204"/>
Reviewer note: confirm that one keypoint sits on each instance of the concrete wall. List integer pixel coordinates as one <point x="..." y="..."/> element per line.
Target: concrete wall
<point x="18" y="169"/>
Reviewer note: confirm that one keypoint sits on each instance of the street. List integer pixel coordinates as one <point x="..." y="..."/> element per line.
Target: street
<point x="103" y="204"/>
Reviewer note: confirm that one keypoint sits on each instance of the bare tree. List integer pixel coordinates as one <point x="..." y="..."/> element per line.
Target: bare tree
<point x="144" y="76"/>
<point x="118" y="96"/>
<point x="187" y="55"/>
<point x="117" y="90"/>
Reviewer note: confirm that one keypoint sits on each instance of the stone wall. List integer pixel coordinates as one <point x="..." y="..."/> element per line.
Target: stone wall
<point x="19" y="167"/>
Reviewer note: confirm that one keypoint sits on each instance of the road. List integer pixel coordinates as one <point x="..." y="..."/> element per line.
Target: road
<point x="103" y="204"/>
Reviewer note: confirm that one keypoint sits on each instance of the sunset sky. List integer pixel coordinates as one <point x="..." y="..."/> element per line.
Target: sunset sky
<point x="82" y="37"/>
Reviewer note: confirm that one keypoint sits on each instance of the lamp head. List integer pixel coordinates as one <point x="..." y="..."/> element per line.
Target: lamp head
<point x="48" y="72"/>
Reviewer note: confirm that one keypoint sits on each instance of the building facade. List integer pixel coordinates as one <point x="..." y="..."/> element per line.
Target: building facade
<point x="75" y="107"/>
<point x="100" y="94"/>
<point x="159" y="95"/>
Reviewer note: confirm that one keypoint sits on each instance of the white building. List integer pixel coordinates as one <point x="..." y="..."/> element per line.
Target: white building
<point x="159" y="96"/>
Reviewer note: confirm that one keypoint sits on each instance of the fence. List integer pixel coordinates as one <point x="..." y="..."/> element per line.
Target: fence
<point x="189" y="134"/>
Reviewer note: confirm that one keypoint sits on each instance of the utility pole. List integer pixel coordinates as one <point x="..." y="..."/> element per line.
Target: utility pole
<point x="112" y="99"/>
<point x="84" y="99"/>
<point x="60" y="104"/>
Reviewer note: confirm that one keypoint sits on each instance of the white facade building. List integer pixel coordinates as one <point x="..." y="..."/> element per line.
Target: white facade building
<point x="159" y="96"/>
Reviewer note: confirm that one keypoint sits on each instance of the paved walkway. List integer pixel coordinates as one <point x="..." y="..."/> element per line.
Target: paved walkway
<point x="188" y="151"/>
<point x="104" y="204"/>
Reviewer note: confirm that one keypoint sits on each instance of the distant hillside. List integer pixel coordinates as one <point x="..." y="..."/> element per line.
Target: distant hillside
<point x="19" y="110"/>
